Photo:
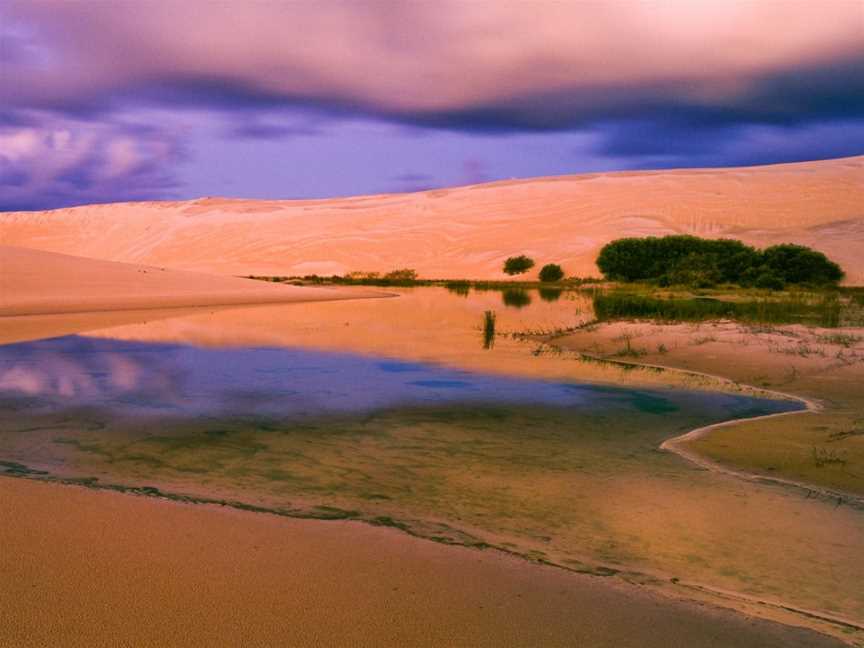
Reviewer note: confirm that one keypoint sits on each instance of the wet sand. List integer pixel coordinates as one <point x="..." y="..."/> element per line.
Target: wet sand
<point x="824" y="366"/>
<point x="90" y="568"/>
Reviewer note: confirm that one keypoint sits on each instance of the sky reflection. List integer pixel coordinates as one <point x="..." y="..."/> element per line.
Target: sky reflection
<point x="151" y="378"/>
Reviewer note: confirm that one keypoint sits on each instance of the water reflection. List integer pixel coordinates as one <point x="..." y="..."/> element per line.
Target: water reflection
<point x="550" y="294"/>
<point x="516" y="298"/>
<point x="148" y="378"/>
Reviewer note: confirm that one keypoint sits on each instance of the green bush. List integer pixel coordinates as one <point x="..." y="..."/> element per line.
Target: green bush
<point x="694" y="269"/>
<point x="797" y="264"/>
<point x="551" y="272"/>
<point x="518" y="265"/>
<point x="690" y="260"/>
<point x="769" y="280"/>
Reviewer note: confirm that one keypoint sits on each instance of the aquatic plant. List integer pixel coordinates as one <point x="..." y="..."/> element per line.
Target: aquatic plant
<point x="825" y="310"/>
<point x="488" y="329"/>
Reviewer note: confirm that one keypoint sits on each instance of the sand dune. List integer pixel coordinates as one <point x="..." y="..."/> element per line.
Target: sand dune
<point x="469" y="231"/>
<point x="34" y="282"/>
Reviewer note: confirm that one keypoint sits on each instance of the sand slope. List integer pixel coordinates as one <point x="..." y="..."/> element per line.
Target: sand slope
<point x="469" y="231"/>
<point x="33" y="282"/>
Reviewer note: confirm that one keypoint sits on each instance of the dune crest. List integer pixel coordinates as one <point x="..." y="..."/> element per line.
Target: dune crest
<point x="469" y="231"/>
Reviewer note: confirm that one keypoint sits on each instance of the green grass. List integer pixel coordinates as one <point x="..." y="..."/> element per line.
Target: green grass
<point x="828" y="309"/>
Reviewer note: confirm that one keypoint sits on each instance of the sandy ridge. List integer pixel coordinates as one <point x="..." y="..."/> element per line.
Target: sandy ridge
<point x="466" y="232"/>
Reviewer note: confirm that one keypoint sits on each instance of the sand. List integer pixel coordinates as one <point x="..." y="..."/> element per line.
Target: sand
<point x="469" y="231"/>
<point x="36" y="283"/>
<point x="824" y="366"/>
<point x="87" y="568"/>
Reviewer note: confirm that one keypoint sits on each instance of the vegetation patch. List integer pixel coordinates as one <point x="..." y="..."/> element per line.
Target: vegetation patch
<point x="518" y="265"/>
<point x="818" y="309"/>
<point x="694" y="261"/>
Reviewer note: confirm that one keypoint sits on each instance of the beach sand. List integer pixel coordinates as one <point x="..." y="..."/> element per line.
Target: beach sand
<point x="95" y="568"/>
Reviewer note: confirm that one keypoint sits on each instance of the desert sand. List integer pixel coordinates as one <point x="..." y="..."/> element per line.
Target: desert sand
<point x="468" y="231"/>
<point x="85" y="568"/>
<point x="34" y="283"/>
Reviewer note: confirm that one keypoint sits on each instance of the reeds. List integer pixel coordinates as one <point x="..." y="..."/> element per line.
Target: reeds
<point x="825" y="310"/>
<point x="488" y="329"/>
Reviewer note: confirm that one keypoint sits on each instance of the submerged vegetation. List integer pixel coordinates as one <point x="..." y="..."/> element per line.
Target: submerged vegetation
<point x="694" y="261"/>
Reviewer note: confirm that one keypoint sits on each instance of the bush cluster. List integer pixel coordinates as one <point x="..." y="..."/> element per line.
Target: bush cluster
<point x="521" y="264"/>
<point x="694" y="261"/>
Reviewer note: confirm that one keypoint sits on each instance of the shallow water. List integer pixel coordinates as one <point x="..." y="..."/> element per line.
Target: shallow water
<point x="393" y="411"/>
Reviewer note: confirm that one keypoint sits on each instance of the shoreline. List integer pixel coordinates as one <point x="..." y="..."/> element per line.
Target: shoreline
<point x="658" y="583"/>
<point x="510" y="601"/>
<point x="676" y="444"/>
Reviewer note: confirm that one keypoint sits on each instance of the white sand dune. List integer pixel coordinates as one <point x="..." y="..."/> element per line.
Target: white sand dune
<point x="469" y="231"/>
<point x="34" y="282"/>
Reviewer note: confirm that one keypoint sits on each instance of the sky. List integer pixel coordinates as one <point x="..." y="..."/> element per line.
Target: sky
<point x="118" y="100"/>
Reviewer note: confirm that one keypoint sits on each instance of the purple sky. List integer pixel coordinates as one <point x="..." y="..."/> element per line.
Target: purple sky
<point x="107" y="101"/>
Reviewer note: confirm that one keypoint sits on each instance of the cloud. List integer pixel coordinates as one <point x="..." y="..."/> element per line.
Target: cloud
<point x="675" y="82"/>
<point x="651" y="144"/>
<point x="53" y="162"/>
<point x="448" y="64"/>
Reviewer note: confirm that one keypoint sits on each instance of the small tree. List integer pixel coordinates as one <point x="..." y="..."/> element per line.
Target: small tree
<point x="551" y="272"/>
<point x="518" y="265"/>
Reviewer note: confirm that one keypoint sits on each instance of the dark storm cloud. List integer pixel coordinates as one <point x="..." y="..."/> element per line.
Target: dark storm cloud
<point x="665" y="84"/>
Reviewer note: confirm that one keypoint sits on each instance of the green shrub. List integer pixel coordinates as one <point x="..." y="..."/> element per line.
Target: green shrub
<point x="518" y="265"/>
<point x="698" y="270"/>
<point x="551" y="272"/>
<point x="769" y="280"/>
<point x="797" y="264"/>
<point x="690" y="260"/>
